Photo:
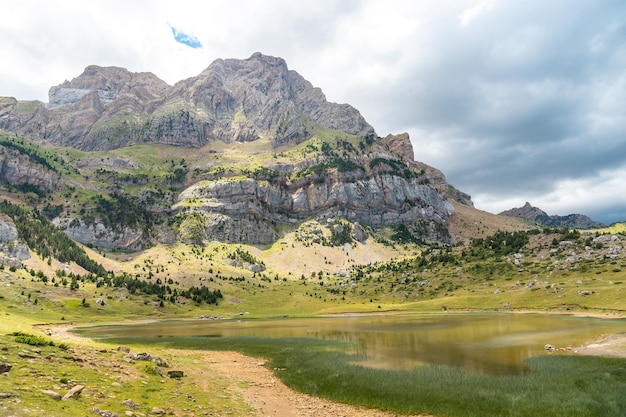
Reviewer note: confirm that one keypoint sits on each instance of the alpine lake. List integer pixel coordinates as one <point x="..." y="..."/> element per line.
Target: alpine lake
<point x="452" y="364"/>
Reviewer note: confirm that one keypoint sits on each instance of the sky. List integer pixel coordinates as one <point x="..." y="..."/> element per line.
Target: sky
<point x="514" y="101"/>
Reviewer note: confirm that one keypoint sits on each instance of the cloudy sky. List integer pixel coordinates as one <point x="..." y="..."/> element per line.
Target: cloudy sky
<point x="513" y="100"/>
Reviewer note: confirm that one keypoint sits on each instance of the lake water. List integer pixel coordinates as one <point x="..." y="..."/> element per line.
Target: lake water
<point x="494" y="344"/>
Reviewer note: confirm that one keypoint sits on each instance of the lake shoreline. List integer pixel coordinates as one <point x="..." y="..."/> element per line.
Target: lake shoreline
<point x="264" y="392"/>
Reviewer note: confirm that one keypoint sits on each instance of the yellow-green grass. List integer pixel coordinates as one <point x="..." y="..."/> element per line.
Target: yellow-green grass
<point x="109" y="378"/>
<point x="615" y="228"/>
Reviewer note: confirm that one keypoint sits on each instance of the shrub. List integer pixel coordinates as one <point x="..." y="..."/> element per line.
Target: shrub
<point x="31" y="339"/>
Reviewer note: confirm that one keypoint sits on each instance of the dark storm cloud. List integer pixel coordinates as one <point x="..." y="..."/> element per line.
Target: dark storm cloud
<point x="525" y="95"/>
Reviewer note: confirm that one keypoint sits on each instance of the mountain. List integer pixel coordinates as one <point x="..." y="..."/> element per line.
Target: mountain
<point x="246" y="152"/>
<point x="536" y="215"/>
<point x="232" y="100"/>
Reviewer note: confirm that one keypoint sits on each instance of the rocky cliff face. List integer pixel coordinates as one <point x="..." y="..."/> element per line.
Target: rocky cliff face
<point x="17" y="168"/>
<point x="232" y="100"/>
<point x="379" y="190"/>
<point x="98" y="235"/>
<point x="381" y="200"/>
<point x="12" y="250"/>
<point x="535" y="214"/>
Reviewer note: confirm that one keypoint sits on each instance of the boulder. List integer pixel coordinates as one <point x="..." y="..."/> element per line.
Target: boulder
<point x="52" y="394"/>
<point x="104" y="413"/>
<point x="158" y="410"/>
<point x="130" y="404"/>
<point x="143" y="357"/>
<point x="74" y="392"/>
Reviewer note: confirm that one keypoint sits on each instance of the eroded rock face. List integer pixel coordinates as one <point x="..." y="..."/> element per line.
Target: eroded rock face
<point x="384" y="186"/>
<point x="99" y="235"/>
<point x="381" y="200"/>
<point x="12" y="251"/>
<point x="19" y="169"/>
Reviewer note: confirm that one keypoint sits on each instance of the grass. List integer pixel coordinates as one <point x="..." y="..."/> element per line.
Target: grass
<point x="556" y="386"/>
<point x="109" y="380"/>
<point x="612" y="229"/>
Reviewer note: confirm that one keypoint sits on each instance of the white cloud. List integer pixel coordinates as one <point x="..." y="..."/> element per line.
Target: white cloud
<point x="470" y="14"/>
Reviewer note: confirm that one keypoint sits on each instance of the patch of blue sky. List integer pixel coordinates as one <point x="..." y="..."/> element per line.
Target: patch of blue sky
<point x="185" y="39"/>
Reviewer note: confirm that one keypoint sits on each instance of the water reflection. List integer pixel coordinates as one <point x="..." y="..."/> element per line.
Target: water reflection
<point x="484" y="343"/>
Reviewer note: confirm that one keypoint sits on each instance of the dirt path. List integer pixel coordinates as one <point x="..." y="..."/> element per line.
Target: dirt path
<point x="270" y="397"/>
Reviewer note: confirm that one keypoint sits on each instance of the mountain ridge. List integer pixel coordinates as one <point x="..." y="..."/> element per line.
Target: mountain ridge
<point x="231" y="100"/>
<point x="535" y="214"/>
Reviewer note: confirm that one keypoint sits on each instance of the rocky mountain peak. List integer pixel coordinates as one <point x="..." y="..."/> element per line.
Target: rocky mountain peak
<point x="257" y="97"/>
<point x="110" y="83"/>
<point x="232" y="100"/>
<point x="536" y="215"/>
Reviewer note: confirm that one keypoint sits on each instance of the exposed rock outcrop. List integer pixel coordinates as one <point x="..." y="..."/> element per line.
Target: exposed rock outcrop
<point x="17" y="168"/>
<point x="12" y="251"/>
<point x="381" y="200"/>
<point x="99" y="235"/>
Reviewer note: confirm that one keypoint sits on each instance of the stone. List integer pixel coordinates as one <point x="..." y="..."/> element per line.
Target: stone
<point x="160" y="361"/>
<point x="130" y="404"/>
<point x="549" y="348"/>
<point x="52" y="394"/>
<point x="158" y="410"/>
<point x="74" y="392"/>
<point x="243" y="210"/>
<point x="143" y="357"/>
<point x="104" y="413"/>
<point x="98" y="234"/>
<point x="9" y="243"/>
<point x="124" y="349"/>
<point x="256" y="268"/>
<point x="5" y="367"/>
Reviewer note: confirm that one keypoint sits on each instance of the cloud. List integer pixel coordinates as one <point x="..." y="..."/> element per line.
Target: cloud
<point x="185" y="39"/>
<point x="470" y="14"/>
<point x="514" y="101"/>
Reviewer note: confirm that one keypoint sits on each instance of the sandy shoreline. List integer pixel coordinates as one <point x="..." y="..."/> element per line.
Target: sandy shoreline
<point x="613" y="345"/>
